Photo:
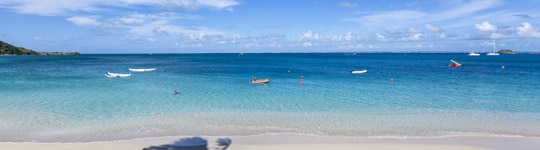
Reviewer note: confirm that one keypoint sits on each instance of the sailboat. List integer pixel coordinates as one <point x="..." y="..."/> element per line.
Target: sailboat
<point x="473" y="53"/>
<point x="493" y="53"/>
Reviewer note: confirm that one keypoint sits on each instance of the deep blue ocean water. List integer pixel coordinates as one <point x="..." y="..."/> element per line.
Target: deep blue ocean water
<point x="68" y="98"/>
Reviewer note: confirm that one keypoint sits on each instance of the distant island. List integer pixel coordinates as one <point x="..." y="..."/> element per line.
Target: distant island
<point x="8" y="49"/>
<point x="506" y="51"/>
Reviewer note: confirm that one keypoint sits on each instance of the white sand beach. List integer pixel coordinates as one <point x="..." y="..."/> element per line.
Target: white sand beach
<point x="293" y="142"/>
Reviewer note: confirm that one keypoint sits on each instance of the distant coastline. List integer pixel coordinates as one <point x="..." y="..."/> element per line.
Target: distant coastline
<point x="10" y="50"/>
<point x="7" y="49"/>
<point x="361" y="52"/>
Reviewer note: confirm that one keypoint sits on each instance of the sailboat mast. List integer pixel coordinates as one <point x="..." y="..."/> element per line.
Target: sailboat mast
<point x="493" y="46"/>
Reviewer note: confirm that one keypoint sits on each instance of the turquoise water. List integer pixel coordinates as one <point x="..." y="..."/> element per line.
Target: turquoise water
<point x="56" y="99"/>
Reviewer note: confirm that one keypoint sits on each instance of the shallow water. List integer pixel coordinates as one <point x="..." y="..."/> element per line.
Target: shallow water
<point x="54" y="98"/>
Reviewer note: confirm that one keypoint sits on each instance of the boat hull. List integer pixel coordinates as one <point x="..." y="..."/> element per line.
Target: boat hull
<point x="359" y="72"/>
<point x="141" y="70"/>
<point x="117" y="75"/>
<point x="260" y="81"/>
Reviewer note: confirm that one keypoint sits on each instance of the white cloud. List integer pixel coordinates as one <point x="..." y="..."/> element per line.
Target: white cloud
<point x="162" y="27"/>
<point x="160" y="24"/>
<point x="461" y="9"/>
<point x="137" y="24"/>
<point x="49" y="7"/>
<point x="152" y="40"/>
<point x="485" y="26"/>
<point x="139" y="18"/>
<point x="140" y="39"/>
<point x="38" y="38"/>
<point x="62" y="7"/>
<point x="413" y="30"/>
<point x="379" y="36"/>
<point x="488" y="30"/>
<point x="527" y="30"/>
<point x="352" y="46"/>
<point x="503" y="16"/>
<point x="389" y="18"/>
<point x="196" y="37"/>
<point x="389" y="39"/>
<point x="309" y="35"/>
<point x="83" y="21"/>
<point x="465" y="8"/>
<point x="432" y="28"/>
<point x="348" y="36"/>
<point x="415" y="36"/>
<point x="216" y="4"/>
<point x="347" y="4"/>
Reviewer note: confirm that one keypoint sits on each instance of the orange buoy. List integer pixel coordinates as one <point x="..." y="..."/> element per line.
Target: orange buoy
<point x="391" y="80"/>
<point x="302" y="83"/>
<point x="502" y="67"/>
<point x="302" y="77"/>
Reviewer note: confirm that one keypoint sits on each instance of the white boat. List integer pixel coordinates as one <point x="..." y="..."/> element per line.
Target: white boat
<point x="494" y="53"/>
<point x="474" y="54"/>
<point x="141" y="70"/>
<point x="358" y="71"/>
<point x="107" y="75"/>
<point x="117" y="75"/>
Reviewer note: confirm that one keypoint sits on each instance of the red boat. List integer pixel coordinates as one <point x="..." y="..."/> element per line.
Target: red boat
<point x="260" y="81"/>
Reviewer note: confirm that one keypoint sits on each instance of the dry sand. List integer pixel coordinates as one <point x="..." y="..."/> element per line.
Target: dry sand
<point x="293" y="142"/>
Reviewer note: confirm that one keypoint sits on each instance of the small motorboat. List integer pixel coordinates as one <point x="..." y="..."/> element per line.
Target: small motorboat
<point x="110" y="75"/>
<point x="141" y="70"/>
<point x="358" y="71"/>
<point x="261" y="80"/>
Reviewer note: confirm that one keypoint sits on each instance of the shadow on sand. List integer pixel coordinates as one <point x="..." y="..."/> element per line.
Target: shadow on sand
<point x="192" y="143"/>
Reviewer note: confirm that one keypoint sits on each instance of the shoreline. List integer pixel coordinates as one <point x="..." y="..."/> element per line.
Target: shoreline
<point x="295" y="141"/>
<point x="285" y="133"/>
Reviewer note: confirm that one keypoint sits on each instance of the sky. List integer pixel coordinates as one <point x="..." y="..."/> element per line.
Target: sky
<point x="223" y="26"/>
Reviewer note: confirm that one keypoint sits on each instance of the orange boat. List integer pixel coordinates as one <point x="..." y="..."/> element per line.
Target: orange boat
<point x="260" y="81"/>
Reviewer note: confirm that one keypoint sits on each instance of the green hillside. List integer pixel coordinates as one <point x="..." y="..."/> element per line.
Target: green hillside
<point x="8" y="49"/>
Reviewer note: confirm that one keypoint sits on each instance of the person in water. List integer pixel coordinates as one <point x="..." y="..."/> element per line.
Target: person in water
<point x="175" y="92"/>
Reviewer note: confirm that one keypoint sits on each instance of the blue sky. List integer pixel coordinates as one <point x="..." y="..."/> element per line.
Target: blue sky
<point x="193" y="26"/>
